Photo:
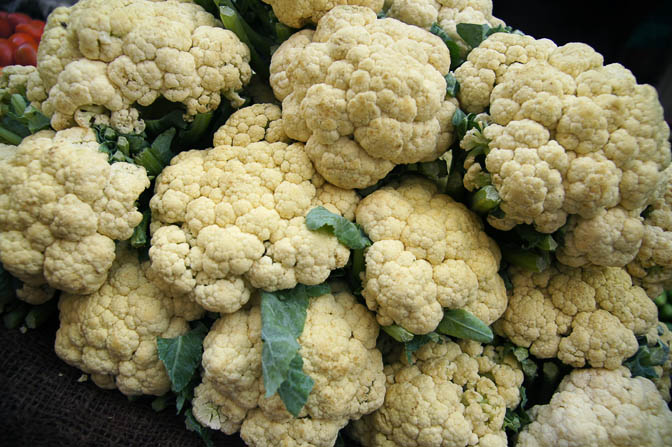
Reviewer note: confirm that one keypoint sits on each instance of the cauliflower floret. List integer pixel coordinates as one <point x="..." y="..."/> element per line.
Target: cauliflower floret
<point x="652" y="268"/>
<point x="582" y="316"/>
<point x="231" y="218"/>
<point x="364" y="94"/>
<point x="600" y="407"/>
<point x="452" y="395"/>
<point x="62" y="205"/>
<point x="299" y="14"/>
<point x="429" y="253"/>
<point x="343" y="362"/>
<point x="118" y="53"/>
<point x="111" y="334"/>
<point x="446" y="13"/>
<point x="572" y="140"/>
<point x="252" y="124"/>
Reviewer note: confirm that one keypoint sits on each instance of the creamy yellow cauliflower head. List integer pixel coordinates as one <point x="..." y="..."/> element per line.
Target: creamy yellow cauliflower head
<point x="231" y="218"/>
<point x="338" y="348"/>
<point x="111" y="334"/>
<point x="585" y="316"/>
<point x="429" y="252"/>
<point x="297" y="14"/>
<point x="602" y="408"/>
<point x="572" y="141"/>
<point x="364" y="94"/>
<point x="62" y="206"/>
<point x="452" y="395"/>
<point x="115" y="54"/>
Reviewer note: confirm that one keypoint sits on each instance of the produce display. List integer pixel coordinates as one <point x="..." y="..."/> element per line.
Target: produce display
<point x="363" y="223"/>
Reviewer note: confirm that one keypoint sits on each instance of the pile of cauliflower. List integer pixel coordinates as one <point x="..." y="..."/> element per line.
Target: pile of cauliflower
<point x="360" y="91"/>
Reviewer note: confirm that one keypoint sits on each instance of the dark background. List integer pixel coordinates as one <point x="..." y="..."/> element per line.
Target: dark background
<point x="43" y="404"/>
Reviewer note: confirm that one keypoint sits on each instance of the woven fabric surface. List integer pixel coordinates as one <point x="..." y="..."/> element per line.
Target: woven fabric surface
<point x="43" y="404"/>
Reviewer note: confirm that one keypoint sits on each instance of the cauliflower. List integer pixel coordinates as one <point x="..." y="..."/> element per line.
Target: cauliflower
<point x="429" y="253"/>
<point x="364" y="94"/>
<point x="111" y="334"/>
<point x="22" y="79"/>
<point x="453" y="395"/>
<point x="583" y="316"/>
<point x="338" y="348"/>
<point x="445" y="13"/>
<point x="601" y="408"/>
<point x="652" y="268"/>
<point x="119" y="53"/>
<point x="229" y="219"/>
<point x="298" y="14"/>
<point x="572" y="141"/>
<point x="62" y="205"/>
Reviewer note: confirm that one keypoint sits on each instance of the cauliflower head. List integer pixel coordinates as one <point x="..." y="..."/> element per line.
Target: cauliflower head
<point x="338" y="348"/>
<point x="601" y="408"/>
<point x="299" y="14"/>
<point x="111" y="334"/>
<point x="62" y="206"/>
<point x="586" y="316"/>
<point x="453" y="395"/>
<point x="652" y="268"/>
<point x="364" y="94"/>
<point x="119" y="53"/>
<point x="231" y="218"/>
<point x="429" y="252"/>
<point x="445" y="13"/>
<point x="571" y="140"/>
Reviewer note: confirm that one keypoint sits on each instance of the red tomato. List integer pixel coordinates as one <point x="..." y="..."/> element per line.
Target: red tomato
<point x="3" y="14"/>
<point x="25" y="54"/>
<point x="6" y="53"/>
<point x="17" y="39"/>
<point x="18" y="17"/>
<point x="5" y="28"/>
<point x="29" y="28"/>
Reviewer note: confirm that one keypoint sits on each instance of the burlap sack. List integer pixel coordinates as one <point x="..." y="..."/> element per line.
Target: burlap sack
<point x="42" y="404"/>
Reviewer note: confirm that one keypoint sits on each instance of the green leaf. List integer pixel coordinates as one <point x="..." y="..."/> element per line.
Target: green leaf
<point x="398" y="333"/>
<point x="457" y="56"/>
<point x="297" y="386"/>
<point x="193" y="425"/>
<point x="646" y="358"/>
<point x="140" y="236"/>
<point x="452" y="85"/>
<point x="473" y="34"/>
<point x="461" y="323"/>
<point x="347" y="233"/>
<point x="182" y="356"/>
<point x="283" y="316"/>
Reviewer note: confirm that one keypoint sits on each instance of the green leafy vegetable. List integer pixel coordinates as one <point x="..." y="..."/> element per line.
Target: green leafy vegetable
<point x="182" y="356"/>
<point x="461" y="323"/>
<point x="283" y="316"/>
<point x="348" y="233"/>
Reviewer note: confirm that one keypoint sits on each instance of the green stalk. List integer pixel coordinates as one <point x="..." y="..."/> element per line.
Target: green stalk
<point x="485" y="200"/>
<point x="398" y="333"/>
<point x="526" y="259"/>
<point x="40" y="314"/>
<point x="9" y="137"/>
<point x="15" y="317"/>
